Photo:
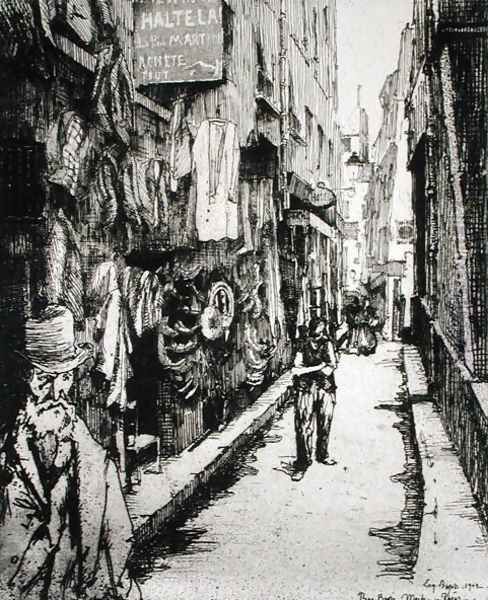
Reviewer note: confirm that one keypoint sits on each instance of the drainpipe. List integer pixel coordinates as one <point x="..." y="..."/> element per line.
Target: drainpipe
<point x="284" y="107"/>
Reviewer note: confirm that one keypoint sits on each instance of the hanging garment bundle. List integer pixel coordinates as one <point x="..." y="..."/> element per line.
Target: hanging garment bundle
<point x="113" y="95"/>
<point x="66" y="147"/>
<point x="63" y="283"/>
<point x="134" y="192"/>
<point x="216" y="156"/>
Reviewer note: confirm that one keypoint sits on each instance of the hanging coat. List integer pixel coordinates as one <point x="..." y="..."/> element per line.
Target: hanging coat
<point x="66" y="147"/>
<point x="113" y="95"/>
<point x="114" y="346"/>
<point x="137" y="206"/>
<point x="105" y="189"/>
<point x="180" y="147"/>
<point x="63" y="283"/>
<point x="216" y="156"/>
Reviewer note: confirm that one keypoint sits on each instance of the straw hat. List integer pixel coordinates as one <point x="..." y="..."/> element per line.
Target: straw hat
<point x="50" y="341"/>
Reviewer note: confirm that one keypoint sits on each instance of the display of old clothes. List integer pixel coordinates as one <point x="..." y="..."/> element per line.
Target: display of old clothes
<point x="63" y="280"/>
<point x="66" y="147"/>
<point x="113" y="95"/>
<point x="215" y="177"/>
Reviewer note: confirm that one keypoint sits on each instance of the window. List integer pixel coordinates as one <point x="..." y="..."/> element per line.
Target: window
<point x="330" y="160"/>
<point x="320" y="155"/>
<point x="315" y="34"/>
<point x="405" y="231"/>
<point x="305" y="24"/>
<point x="326" y="22"/>
<point x="308" y="129"/>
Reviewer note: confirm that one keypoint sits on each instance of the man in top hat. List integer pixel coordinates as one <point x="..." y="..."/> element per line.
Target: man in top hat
<point x="314" y="388"/>
<point x="65" y="532"/>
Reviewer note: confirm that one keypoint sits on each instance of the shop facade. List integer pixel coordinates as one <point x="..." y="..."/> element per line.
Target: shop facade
<point x="148" y="192"/>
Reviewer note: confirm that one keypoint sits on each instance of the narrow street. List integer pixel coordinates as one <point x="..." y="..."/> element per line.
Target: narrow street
<point x="355" y="527"/>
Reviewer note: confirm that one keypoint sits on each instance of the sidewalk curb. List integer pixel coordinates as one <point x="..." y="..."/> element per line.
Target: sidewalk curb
<point x="416" y="379"/>
<point x="274" y="399"/>
<point x="451" y="525"/>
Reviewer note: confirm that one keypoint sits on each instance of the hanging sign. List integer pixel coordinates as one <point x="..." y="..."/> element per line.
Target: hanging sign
<point x="178" y="41"/>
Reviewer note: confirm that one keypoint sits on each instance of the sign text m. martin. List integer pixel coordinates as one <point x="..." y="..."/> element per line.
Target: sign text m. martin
<point x="178" y="40"/>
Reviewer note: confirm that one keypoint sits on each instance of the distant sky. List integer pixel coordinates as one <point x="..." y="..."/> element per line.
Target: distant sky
<point x="368" y="38"/>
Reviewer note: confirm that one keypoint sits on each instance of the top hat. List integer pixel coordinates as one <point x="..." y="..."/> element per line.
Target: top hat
<point x="50" y="341"/>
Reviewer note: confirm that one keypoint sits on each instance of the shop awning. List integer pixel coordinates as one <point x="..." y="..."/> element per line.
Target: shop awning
<point x="305" y="218"/>
<point x="320" y="196"/>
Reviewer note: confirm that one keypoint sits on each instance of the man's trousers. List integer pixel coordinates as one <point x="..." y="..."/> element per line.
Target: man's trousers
<point x="313" y="404"/>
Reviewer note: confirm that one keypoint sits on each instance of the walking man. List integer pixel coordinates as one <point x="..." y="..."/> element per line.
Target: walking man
<point x="65" y="532"/>
<point x="314" y="384"/>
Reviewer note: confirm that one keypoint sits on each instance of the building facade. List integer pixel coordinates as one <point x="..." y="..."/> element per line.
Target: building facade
<point x="356" y="176"/>
<point x="169" y="174"/>
<point x="447" y="109"/>
<point x="388" y="214"/>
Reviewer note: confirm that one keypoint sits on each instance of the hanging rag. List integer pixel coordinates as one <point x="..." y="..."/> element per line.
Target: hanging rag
<point x="156" y="190"/>
<point x="143" y="296"/>
<point x="137" y="206"/>
<point x="113" y="95"/>
<point x="66" y="147"/>
<point x="114" y="346"/>
<point x="103" y="16"/>
<point x="63" y="283"/>
<point x="180" y="161"/>
<point x="245" y="204"/>
<point x="105" y="188"/>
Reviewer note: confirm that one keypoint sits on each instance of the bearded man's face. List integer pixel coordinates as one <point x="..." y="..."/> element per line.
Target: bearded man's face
<point x="49" y="415"/>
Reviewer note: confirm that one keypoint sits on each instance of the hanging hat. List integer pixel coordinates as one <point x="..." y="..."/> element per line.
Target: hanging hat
<point x="211" y="322"/>
<point x="50" y="341"/>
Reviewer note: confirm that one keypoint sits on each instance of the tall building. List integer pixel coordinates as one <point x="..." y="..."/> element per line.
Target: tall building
<point x="388" y="214"/>
<point x="169" y="172"/>
<point x="447" y="107"/>
<point x="356" y="177"/>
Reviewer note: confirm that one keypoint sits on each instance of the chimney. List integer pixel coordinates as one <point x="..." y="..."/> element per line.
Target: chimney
<point x="359" y="96"/>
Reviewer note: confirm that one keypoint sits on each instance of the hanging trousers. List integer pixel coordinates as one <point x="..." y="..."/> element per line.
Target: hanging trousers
<point x="313" y="404"/>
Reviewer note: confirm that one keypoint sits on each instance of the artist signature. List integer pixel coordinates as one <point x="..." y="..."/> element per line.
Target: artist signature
<point x="432" y="590"/>
<point x="448" y="586"/>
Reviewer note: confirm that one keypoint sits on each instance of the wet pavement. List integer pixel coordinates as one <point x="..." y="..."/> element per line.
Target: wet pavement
<point x="352" y="530"/>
